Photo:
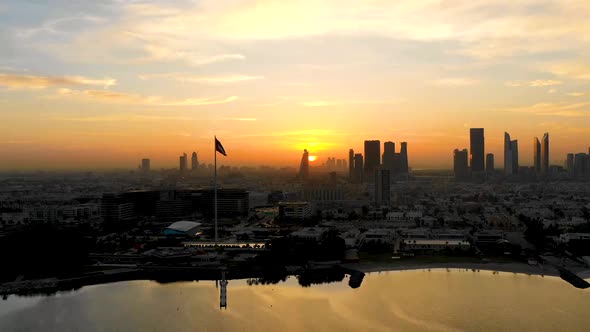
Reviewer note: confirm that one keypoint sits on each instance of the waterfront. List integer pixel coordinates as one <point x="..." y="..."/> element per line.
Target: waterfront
<point x="418" y="300"/>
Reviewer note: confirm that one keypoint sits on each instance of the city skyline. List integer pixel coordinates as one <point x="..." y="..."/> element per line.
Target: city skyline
<point x="99" y="85"/>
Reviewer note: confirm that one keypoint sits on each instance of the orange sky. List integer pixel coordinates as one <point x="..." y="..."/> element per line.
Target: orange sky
<point x="96" y="85"/>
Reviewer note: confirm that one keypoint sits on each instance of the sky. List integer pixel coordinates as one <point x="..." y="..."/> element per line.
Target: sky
<point x="102" y="84"/>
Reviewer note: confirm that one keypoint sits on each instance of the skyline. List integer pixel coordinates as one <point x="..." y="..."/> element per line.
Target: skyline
<point x="102" y="85"/>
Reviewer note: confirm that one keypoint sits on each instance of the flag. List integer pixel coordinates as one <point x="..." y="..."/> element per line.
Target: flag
<point x="219" y="148"/>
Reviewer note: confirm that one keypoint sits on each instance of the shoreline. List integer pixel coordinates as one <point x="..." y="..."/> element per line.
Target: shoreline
<point x="52" y="285"/>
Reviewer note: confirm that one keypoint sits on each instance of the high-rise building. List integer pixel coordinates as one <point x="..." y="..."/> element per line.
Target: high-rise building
<point x="350" y="164"/>
<point x="510" y="155"/>
<point x="403" y="158"/>
<point x="145" y="165"/>
<point x="194" y="161"/>
<point x="490" y="163"/>
<point x="537" y="154"/>
<point x="372" y="157"/>
<point x="514" y="149"/>
<point x="183" y="162"/>
<point x="545" y="153"/>
<point x="358" y="167"/>
<point x="460" y="164"/>
<point x="382" y="186"/>
<point x="477" y="149"/>
<point x="581" y="165"/>
<point x="304" y="167"/>
<point x="570" y="164"/>
<point x="389" y="156"/>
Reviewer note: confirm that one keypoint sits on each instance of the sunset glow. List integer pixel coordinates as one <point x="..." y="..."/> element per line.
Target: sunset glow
<point x="104" y="84"/>
<point x="312" y="158"/>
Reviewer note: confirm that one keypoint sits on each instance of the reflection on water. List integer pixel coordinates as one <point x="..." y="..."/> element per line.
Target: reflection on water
<point x="436" y="300"/>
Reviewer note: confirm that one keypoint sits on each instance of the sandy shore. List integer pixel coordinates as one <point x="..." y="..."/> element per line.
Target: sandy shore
<point x="513" y="267"/>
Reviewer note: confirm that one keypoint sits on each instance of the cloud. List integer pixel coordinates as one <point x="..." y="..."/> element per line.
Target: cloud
<point x="240" y="119"/>
<point x="577" y="94"/>
<point x="552" y="91"/>
<point x="342" y="102"/>
<point x="536" y="83"/>
<point x="16" y="81"/>
<point x="455" y="81"/>
<point x="562" y="109"/>
<point x="578" y="70"/>
<point x="203" y="79"/>
<point x="130" y="98"/>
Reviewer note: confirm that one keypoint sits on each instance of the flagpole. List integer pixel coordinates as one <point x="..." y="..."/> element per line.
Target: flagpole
<point x="215" y="186"/>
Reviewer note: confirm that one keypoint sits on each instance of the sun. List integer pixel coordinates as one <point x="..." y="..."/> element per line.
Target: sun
<point x="311" y="158"/>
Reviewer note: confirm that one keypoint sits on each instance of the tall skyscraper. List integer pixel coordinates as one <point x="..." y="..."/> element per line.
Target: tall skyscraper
<point x="382" y="189"/>
<point x="545" y="153"/>
<point x="570" y="164"/>
<point x="537" y="154"/>
<point x="304" y="167"/>
<point x="477" y="149"/>
<point x="358" y="168"/>
<point x="372" y="157"/>
<point x="403" y="158"/>
<point x="145" y="165"/>
<point x="490" y="163"/>
<point x="194" y="161"/>
<point x="510" y="155"/>
<point x="183" y="162"/>
<point x="514" y="149"/>
<point x="351" y="164"/>
<point x="389" y="156"/>
<point x="460" y="164"/>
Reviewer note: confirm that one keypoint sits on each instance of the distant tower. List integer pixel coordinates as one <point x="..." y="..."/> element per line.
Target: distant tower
<point x="350" y="164"/>
<point x="194" y="161"/>
<point x="145" y="165"/>
<point x="460" y="164"/>
<point x="490" y="163"/>
<point x="382" y="189"/>
<point x="514" y="149"/>
<point x="358" y="167"/>
<point x="570" y="164"/>
<point x="477" y="149"/>
<point x="545" y="153"/>
<point x="403" y="156"/>
<point x="537" y="154"/>
<point x="304" y="167"/>
<point x="510" y="155"/>
<point x="389" y="156"/>
<point x="183" y="162"/>
<point x="372" y="156"/>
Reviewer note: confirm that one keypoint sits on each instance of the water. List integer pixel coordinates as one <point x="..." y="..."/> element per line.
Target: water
<point x="436" y="300"/>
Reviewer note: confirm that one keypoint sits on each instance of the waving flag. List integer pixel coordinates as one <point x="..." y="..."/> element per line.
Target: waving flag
<point x="219" y="148"/>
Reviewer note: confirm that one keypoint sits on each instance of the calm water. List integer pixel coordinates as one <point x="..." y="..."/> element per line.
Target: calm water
<point x="437" y="300"/>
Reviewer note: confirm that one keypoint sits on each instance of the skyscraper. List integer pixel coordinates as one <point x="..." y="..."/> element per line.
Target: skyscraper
<point x="183" y="162"/>
<point x="358" y="168"/>
<point x="350" y="164"/>
<point x="194" y="161"/>
<point x="570" y="164"/>
<point x="145" y="165"/>
<point x="537" y="154"/>
<point x="477" y="149"/>
<point x="507" y="154"/>
<point x="403" y="158"/>
<point x="372" y="157"/>
<point x="382" y="189"/>
<point x="304" y="167"/>
<point x="514" y="149"/>
<point x="389" y="156"/>
<point x="545" y="153"/>
<point x="460" y="164"/>
<point x="490" y="163"/>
